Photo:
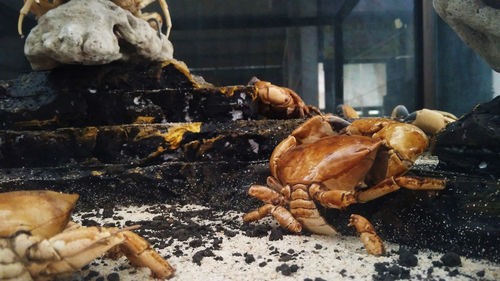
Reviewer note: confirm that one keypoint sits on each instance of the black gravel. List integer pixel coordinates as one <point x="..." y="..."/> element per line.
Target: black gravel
<point x="451" y="259"/>
<point x="285" y="269"/>
<point x="198" y="256"/>
<point x="386" y="271"/>
<point x="258" y="230"/>
<point x="249" y="258"/>
<point x="114" y="277"/>
<point x="276" y="234"/>
<point x="407" y="258"/>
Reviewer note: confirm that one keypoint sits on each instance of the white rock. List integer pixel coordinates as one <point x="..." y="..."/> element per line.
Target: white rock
<point x="476" y="23"/>
<point x="93" y="32"/>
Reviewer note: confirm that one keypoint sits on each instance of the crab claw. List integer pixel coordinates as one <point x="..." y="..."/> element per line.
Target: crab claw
<point x="347" y="111"/>
<point x="429" y="121"/>
<point x="371" y="240"/>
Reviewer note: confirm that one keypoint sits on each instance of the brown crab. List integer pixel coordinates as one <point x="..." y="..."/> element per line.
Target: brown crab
<point x="366" y="161"/>
<point x="280" y="102"/>
<point x="38" y="242"/>
<point x="40" y="7"/>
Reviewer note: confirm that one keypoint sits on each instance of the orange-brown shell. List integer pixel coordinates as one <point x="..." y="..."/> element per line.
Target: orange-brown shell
<point x="368" y="126"/>
<point x="43" y="213"/>
<point x="408" y="140"/>
<point x="403" y="143"/>
<point x="339" y="162"/>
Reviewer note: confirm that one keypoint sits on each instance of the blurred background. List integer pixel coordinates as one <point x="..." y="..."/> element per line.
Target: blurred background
<point x="371" y="54"/>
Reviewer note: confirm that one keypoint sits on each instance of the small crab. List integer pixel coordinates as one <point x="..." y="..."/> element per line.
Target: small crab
<point x="38" y="242"/>
<point x="428" y="120"/>
<point x="280" y="102"/>
<point x="363" y="161"/>
<point x="40" y="7"/>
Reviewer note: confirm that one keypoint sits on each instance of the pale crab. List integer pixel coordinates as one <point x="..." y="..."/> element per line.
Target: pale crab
<point x="280" y="102"/>
<point x="38" y="242"/>
<point x="431" y="121"/>
<point x="40" y="7"/>
<point x="366" y="160"/>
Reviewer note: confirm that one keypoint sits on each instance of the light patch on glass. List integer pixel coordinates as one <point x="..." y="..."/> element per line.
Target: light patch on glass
<point x="365" y="84"/>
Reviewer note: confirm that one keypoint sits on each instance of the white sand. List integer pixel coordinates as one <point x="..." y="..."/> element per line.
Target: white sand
<point x="339" y="258"/>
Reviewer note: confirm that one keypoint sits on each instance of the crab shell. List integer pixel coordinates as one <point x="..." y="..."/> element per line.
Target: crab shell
<point x="315" y="153"/>
<point x="403" y="144"/>
<point x="44" y="213"/>
<point x="338" y="162"/>
<point x="38" y="241"/>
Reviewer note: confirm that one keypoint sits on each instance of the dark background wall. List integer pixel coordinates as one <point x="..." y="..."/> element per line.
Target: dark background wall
<point x="229" y="42"/>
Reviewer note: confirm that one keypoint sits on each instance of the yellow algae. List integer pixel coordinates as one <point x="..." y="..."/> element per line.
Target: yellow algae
<point x="158" y="152"/>
<point x="228" y="91"/>
<point x="182" y="67"/>
<point x="175" y="134"/>
<point x="96" y="173"/>
<point x="86" y="135"/>
<point x="207" y="144"/>
<point x="136" y="170"/>
<point x="146" y="132"/>
<point x="37" y="123"/>
<point x="144" y="120"/>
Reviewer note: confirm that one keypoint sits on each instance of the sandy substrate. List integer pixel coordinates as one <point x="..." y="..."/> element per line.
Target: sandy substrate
<point x="204" y="244"/>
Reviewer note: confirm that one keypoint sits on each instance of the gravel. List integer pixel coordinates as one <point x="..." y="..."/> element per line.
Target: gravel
<point x="206" y="244"/>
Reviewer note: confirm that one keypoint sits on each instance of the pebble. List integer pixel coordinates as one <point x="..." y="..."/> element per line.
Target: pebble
<point x="451" y="259"/>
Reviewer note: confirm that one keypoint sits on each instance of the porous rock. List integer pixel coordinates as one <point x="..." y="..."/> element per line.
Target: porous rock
<point x="93" y="32"/>
<point x="477" y="22"/>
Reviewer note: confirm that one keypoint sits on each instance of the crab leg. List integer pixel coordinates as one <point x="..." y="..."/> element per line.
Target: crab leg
<point x="266" y="194"/>
<point x="384" y="187"/>
<point x="22" y="13"/>
<point x="274" y="184"/>
<point x="337" y="199"/>
<point x="416" y="183"/>
<point x="371" y="240"/>
<point x="282" y="215"/>
<point x="11" y="267"/>
<point x="140" y="253"/>
<point x="166" y="12"/>
<point x="306" y="212"/>
<point x="65" y="252"/>
<point x="390" y="184"/>
<point x="77" y="246"/>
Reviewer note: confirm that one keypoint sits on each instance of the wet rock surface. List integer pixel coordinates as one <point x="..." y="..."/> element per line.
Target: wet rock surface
<point x="78" y="96"/>
<point x="471" y="144"/>
<point x="140" y="144"/>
